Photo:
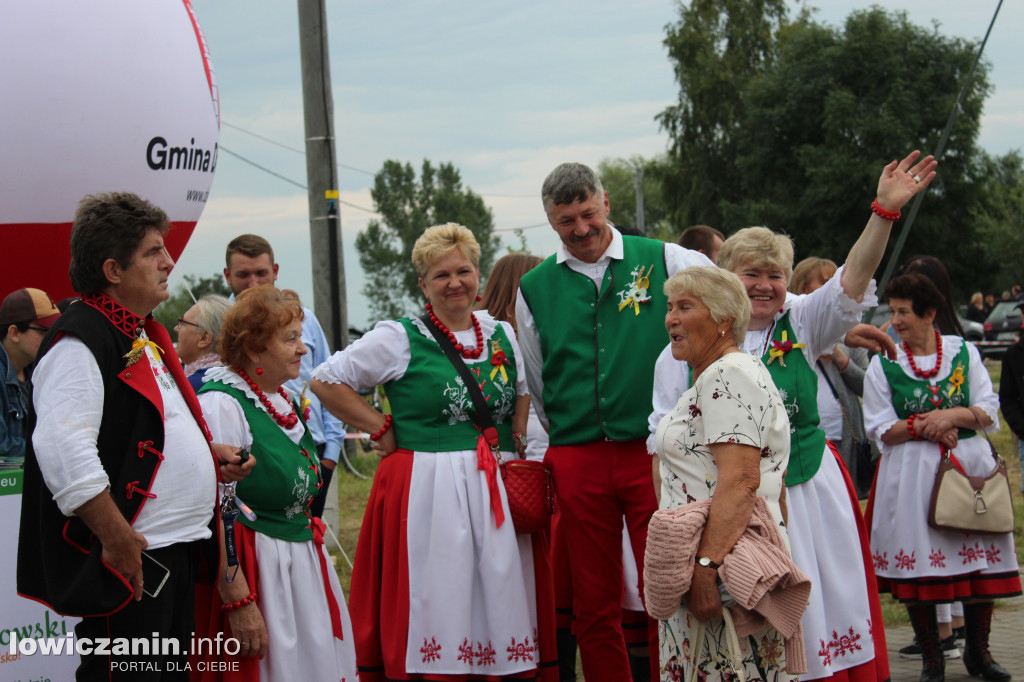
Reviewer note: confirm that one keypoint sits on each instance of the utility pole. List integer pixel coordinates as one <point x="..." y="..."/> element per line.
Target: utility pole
<point x="329" y="295"/>
<point x="639" y="178"/>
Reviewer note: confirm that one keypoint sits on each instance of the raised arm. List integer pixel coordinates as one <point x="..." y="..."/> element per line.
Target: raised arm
<point x="898" y="184"/>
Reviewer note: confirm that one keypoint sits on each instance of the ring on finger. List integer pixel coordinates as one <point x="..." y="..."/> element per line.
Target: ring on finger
<point x="917" y="178"/>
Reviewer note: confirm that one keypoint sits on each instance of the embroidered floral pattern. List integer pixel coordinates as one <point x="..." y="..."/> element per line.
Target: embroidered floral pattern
<point x="841" y="644"/>
<point x="484" y="655"/>
<point x="431" y="650"/>
<point x="937" y="558"/>
<point x="825" y="654"/>
<point x="466" y="652"/>
<point x="992" y="555"/>
<point x="457" y="410"/>
<point x="522" y="651"/>
<point x="904" y="561"/>
<point x="881" y="560"/>
<point x="969" y="555"/>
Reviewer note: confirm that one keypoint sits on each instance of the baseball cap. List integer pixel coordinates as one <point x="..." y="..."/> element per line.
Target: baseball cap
<point x="28" y="305"/>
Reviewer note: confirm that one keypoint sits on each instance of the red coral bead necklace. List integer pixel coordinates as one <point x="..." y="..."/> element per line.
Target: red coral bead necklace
<point x="466" y="353"/>
<point x="285" y="421"/>
<point x="928" y="373"/>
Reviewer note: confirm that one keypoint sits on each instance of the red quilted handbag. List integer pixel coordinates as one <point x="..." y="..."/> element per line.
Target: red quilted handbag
<point x="531" y="499"/>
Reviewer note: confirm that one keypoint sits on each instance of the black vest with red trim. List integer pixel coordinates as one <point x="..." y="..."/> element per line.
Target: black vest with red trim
<point x="58" y="557"/>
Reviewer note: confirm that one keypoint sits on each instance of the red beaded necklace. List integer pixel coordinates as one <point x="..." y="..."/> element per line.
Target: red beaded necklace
<point x="286" y="422"/>
<point x="466" y="353"/>
<point x="928" y="373"/>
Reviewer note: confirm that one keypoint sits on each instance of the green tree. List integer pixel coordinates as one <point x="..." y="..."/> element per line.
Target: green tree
<point x="409" y="206"/>
<point x="619" y="179"/>
<point x="999" y="217"/>
<point x="168" y="312"/>
<point x="716" y="48"/>
<point x="833" y="108"/>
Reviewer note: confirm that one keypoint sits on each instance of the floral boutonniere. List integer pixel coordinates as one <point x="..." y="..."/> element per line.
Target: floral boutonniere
<point x="305" y="402"/>
<point x="780" y="348"/>
<point x="139" y="349"/>
<point x="956" y="380"/>
<point x="636" y="292"/>
<point x="499" y="361"/>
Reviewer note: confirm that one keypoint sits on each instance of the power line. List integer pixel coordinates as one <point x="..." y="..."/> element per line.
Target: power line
<point x="347" y="167"/>
<point x="289" y="180"/>
<point x="513" y="229"/>
<point x="263" y="168"/>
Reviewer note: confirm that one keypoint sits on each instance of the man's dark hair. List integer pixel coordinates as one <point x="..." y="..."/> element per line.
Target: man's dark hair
<point x="700" y="238"/>
<point x="109" y="225"/>
<point x="250" y="246"/>
<point x="22" y="327"/>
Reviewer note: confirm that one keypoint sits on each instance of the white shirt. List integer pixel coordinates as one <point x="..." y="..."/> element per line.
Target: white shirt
<point x="676" y="258"/>
<point x="383" y="354"/>
<point x="671" y="381"/>
<point x="68" y="398"/>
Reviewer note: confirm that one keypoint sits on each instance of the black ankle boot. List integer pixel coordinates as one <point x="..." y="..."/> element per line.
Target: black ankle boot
<point x="565" y="642"/>
<point x="926" y="629"/>
<point x="977" y="659"/>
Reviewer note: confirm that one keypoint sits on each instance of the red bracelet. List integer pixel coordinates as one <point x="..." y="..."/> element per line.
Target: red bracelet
<point x="251" y="599"/>
<point x="388" y="420"/>
<point x="891" y="216"/>
<point x="910" y="427"/>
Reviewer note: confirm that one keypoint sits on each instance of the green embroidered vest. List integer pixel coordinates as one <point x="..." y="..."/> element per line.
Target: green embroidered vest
<point x="432" y="409"/>
<point x="911" y="395"/>
<point x="599" y="348"/>
<point x="798" y="386"/>
<point x="286" y="476"/>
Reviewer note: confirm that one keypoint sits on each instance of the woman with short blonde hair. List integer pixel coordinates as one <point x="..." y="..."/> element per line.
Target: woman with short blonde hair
<point x="439" y="561"/>
<point x="789" y="333"/>
<point x="718" y="289"/>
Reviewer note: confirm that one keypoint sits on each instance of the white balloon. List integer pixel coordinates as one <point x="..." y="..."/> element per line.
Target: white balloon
<point x="118" y="95"/>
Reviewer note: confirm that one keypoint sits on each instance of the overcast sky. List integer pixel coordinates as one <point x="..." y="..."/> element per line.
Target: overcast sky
<point x="505" y="91"/>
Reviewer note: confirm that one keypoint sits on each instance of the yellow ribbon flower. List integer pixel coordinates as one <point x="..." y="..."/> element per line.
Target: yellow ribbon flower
<point x="956" y="380"/>
<point x="139" y="349"/>
<point x="499" y="361"/>
<point x="780" y="348"/>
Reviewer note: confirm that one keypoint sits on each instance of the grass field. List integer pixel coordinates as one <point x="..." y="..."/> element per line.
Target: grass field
<point x="353" y="493"/>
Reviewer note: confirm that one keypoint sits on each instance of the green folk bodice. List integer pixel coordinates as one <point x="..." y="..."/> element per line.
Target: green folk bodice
<point x="285" y="479"/>
<point x="798" y="386"/>
<point x="912" y="395"/>
<point x="433" y="410"/>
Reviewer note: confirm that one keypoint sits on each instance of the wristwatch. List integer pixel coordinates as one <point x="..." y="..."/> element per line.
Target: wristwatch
<point x="707" y="563"/>
<point x="519" y="438"/>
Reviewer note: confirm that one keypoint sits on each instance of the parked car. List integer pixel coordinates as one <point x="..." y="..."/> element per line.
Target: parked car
<point x="1002" y="327"/>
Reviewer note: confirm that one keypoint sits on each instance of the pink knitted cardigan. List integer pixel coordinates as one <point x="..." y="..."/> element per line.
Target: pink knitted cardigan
<point x="758" y="572"/>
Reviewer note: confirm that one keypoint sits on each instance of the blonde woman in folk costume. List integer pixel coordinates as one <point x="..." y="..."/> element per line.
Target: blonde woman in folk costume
<point x="843" y="632"/>
<point x="443" y="587"/>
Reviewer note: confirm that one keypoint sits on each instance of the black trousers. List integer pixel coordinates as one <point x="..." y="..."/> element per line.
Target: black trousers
<point x="171" y="614"/>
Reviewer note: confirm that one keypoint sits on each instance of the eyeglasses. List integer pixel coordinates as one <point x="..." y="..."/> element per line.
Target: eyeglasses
<point x="182" y="320"/>
<point x="41" y="330"/>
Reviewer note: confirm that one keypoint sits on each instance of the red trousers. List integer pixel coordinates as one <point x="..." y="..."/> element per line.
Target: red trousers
<point x="596" y="485"/>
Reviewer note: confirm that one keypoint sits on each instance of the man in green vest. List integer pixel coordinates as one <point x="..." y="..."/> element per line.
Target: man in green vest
<point x="591" y="322"/>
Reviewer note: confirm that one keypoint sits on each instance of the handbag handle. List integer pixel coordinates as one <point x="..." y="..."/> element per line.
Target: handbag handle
<point x="485" y="422"/>
<point x="981" y="430"/>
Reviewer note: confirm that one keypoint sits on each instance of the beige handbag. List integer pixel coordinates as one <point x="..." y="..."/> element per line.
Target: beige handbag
<point x="971" y="504"/>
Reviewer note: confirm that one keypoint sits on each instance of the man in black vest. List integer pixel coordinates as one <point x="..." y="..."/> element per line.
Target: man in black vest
<point x="120" y="463"/>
